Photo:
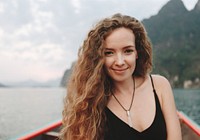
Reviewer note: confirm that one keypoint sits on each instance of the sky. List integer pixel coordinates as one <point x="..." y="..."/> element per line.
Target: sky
<point x="39" y="39"/>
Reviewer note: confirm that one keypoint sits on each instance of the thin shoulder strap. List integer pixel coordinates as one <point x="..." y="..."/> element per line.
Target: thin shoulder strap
<point x="152" y="83"/>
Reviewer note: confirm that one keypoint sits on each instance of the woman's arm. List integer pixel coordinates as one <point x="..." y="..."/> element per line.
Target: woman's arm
<point x="169" y="109"/>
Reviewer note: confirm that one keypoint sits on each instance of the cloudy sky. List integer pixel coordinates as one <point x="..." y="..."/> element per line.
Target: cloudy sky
<point x="39" y="39"/>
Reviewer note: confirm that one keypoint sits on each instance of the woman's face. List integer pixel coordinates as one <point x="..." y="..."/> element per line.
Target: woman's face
<point x="120" y="54"/>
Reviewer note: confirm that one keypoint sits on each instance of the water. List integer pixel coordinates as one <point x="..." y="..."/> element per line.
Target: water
<point x="25" y="109"/>
<point x="188" y="101"/>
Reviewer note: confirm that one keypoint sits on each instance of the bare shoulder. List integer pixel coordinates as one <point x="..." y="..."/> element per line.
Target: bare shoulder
<point x="167" y="102"/>
<point x="162" y="87"/>
<point x="159" y="77"/>
<point x="160" y="81"/>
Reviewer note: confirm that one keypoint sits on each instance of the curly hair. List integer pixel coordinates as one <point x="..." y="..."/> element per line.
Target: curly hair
<point x="89" y="86"/>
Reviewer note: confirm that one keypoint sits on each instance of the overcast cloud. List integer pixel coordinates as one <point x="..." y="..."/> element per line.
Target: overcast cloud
<point x="39" y="39"/>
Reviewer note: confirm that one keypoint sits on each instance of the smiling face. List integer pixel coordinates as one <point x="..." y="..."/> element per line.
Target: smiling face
<point x="120" y="54"/>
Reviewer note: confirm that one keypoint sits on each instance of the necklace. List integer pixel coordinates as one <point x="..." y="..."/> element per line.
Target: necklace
<point x="127" y="110"/>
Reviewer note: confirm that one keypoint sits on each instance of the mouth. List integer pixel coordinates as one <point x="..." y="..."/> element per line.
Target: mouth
<point x="120" y="70"/>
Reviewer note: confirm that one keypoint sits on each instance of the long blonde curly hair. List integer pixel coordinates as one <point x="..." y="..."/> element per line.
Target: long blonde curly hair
<point x="89" y="86"/>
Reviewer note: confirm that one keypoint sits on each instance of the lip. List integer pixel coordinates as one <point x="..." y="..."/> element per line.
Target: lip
<point x="120" y="70"/>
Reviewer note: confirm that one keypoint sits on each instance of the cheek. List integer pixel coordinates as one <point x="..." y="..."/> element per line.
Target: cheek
<point x="131" y="60"/>
<point x="108" y="62"/>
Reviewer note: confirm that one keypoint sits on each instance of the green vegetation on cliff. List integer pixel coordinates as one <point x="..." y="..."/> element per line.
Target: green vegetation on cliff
<point x="175" y="35"/>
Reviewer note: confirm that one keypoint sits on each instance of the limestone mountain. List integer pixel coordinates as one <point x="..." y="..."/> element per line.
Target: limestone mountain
<point x="175" y="34"/>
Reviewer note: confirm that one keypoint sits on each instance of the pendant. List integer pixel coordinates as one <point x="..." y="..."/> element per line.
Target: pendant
<point x="129" y="118"/>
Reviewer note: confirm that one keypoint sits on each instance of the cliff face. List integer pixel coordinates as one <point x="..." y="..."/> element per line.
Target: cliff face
<point x="66" y="76"/>
<point x="197" y="7"/>
<point x="172" y="9"/>
<point x="168" y="24"/>
<point x="175" y="34"/>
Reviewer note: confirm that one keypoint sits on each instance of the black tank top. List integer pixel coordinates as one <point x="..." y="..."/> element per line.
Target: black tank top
<point x="116" y="129"/>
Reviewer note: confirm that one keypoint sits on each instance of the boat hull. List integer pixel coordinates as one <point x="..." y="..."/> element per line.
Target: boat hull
<point x="190" y="130"/>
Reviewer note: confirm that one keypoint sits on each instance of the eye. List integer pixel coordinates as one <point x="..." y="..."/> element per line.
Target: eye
<point x="128" y="51"/>
<point x="108" y="53"/>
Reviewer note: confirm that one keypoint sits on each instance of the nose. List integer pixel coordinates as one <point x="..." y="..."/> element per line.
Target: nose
<point x="119" y="60"/>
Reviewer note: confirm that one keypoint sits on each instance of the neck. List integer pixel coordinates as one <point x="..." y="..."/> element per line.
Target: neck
<point x="125" y="87"/>
<point x="139" y="81"/>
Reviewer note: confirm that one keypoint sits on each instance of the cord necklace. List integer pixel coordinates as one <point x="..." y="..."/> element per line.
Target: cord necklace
<point x="127" y="110"/>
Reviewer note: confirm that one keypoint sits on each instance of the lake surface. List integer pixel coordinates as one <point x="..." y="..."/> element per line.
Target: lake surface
<point x="188" y="101"/>
<point x="25" y="109"/>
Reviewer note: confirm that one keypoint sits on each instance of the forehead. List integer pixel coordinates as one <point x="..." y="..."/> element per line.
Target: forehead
<point x="120" y="37"/>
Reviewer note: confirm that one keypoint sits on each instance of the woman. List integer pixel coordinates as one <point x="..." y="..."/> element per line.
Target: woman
<point x="111" y="95"/>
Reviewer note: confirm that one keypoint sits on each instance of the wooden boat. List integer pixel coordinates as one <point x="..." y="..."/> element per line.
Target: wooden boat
<point x="190" y="130"/>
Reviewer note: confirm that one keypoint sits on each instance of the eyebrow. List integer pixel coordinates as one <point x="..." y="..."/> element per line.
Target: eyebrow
<point x="126" y="47"/>
<point x="130" y="46"/>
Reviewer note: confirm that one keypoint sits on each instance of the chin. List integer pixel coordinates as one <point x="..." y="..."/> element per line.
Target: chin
<point x="119" y="79"/>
